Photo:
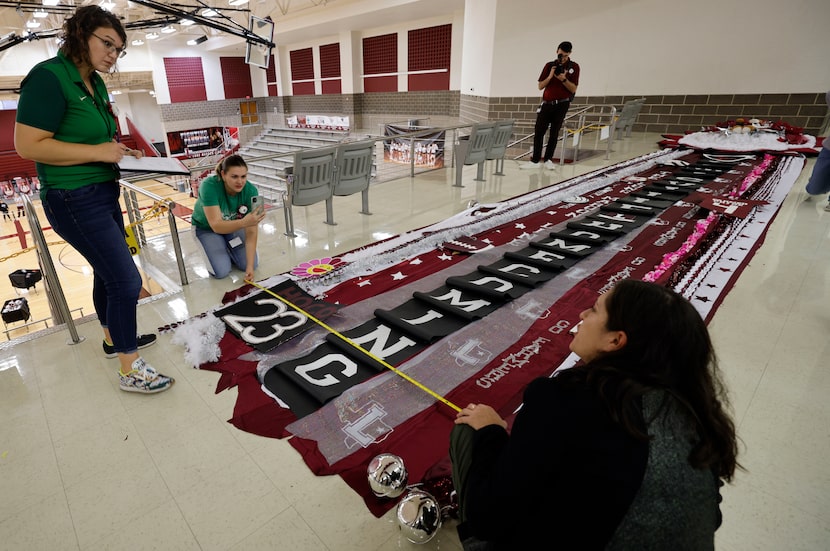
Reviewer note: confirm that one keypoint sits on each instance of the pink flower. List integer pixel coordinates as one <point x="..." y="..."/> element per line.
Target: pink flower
<point x="316" y="267"/>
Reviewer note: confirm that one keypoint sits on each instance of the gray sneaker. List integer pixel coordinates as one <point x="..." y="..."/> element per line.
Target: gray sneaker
<point x="144" y="378"/>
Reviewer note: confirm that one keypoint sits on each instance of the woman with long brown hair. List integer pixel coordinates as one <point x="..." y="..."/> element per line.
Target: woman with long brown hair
<point x="627" y="450"/>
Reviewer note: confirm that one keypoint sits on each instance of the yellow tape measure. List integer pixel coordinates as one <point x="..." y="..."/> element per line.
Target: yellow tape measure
<point x="358" y="347"/>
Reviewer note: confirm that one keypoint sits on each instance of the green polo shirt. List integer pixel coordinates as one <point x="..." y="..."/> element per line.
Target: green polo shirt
<point x="212" y="194"/>
<point x="53" y="98"/>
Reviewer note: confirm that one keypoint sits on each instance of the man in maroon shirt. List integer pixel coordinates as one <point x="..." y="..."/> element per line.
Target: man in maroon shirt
<point x="559" y="79"/>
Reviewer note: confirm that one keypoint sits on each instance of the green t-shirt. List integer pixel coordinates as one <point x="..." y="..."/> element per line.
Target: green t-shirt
<point x="53" y="97"/>
<point x="212" y="194"/>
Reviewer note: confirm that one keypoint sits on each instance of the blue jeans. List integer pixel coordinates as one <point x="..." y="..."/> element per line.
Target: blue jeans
<point x="221" y="254"/>
<point x="820" y="178"/>
<point x="90" y="219"/>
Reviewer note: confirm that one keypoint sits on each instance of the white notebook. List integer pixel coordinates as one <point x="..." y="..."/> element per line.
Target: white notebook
<point x="165" y="165"/>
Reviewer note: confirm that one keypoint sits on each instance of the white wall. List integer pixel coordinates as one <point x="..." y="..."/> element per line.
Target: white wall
<point x="632" y="47"/>
<point x="146" y="116"/>
<point x="478" y="47"/>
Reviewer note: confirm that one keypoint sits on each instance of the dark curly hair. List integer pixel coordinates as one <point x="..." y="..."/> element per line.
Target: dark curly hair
<point x="667" y="348"/>
<point x="79" y="27"/>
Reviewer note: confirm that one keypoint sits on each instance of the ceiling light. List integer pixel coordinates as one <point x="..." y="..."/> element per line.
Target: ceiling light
<point x="32" y="24"/>
<point x="151" y="36"/>
<point x="186" y="22"/>
<point x="195" y="41"/>
<point x="137" y="42"/>
<point x="51" y="2"/>
<point x="168" y="29"/>
<point x="40" y="14"/>
<point x="116" y="92"/>
<point x="107" y="5"/>
<point x="209" y="12"/>
<point x="237" y="2"/>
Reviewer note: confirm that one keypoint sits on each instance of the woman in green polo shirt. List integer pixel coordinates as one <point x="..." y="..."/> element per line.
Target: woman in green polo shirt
<point x="226" y="218"/>
<point x="65" y="124"/>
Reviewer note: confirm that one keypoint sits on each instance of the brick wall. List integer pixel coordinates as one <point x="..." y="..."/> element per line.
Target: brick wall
<point x="200" y="114"/>
<point x="474" y="109"/>
<point x="660" y="114"/>
<point x="675" y="114"/>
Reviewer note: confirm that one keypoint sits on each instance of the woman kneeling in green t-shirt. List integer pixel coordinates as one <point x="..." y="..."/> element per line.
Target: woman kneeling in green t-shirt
<point x="226" y="220"/>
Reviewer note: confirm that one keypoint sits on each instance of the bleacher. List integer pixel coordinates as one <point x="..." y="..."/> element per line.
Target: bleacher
<point x="269" y="174"/>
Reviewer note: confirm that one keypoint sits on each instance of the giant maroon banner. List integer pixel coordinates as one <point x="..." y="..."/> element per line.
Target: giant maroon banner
<point x="479" y="326"/>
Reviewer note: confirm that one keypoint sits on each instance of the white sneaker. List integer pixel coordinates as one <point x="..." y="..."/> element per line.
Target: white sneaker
<point x="549" y="165"/>
<point x="530" y="165"/>
<point x="144" y="378"/>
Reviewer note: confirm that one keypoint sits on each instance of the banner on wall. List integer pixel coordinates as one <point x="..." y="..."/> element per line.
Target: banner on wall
<point x="318" y="122"/>
<point x="428" y="149"/>
<point x="203" y="141"/>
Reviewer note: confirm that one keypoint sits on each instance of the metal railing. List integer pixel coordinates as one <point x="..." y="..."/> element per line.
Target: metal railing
<point x="579" y="121"/>
<point x="129" y="193"/>
<point x="61" y="314"/>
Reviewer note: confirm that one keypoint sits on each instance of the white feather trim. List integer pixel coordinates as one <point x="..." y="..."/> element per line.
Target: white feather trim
<point x="200" y="337"/>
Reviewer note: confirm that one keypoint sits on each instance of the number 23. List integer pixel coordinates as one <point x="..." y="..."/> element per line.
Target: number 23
<point x="247" y="325"/>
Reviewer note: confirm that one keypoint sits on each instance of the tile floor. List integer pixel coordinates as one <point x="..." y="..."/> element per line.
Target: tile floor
<point x="85" y="466"/>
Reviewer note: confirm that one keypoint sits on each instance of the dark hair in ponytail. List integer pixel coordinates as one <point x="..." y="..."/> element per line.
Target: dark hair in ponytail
<point x="229" y="162"/>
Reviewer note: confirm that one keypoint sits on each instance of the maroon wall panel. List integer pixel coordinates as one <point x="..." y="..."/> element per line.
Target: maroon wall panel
<point x="185" y="79"/>
<point x="380" y="55"/>
<point x="302" y="68"/>
<point x="271" y="77"/>
<point x="429" y="50"/>
<point x="7" y="118"/>
<point x="429" y="81"/>
<point x="236" y="77"/>
<point x="331" y="87"/>
<point x="330" y="68"/>
<point x="380" y="84"/>
<point x="330" y="60"/>
<point x="302" y="88"/>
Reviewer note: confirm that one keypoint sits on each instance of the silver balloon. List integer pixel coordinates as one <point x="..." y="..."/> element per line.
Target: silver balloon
<point x="419" y="516"/>
<point x="387" y="475"/>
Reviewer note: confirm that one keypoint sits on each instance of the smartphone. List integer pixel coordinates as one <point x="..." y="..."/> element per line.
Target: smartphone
<point x="256" y="203"/>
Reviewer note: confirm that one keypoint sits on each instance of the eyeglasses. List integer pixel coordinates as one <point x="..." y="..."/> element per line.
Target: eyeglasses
<point x="120" y="52"/>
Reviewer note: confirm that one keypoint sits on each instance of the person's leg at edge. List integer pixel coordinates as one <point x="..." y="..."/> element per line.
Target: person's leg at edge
<point x="461" y="456"/>
<point x="539" y="130"/>
<point x="819" y="182"/>
<point x="90" y="220"/>
<point x="237" y="254"/>
<point x="557" y="117"/>
<point x="216" y="250"/>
